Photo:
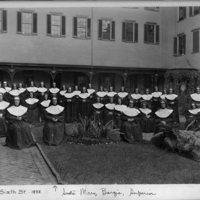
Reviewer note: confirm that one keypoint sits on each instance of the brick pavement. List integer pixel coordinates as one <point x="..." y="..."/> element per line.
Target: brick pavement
<point x="23" y="167"/>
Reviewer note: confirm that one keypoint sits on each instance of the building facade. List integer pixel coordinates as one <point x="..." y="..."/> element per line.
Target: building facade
<point x="133" y="47"/>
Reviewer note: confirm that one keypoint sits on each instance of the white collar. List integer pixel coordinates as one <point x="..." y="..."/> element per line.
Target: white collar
<point x="136" y="96"/>
<point x="2" y="90"/>
<point x="101" y="94"/>
<point x="156" y="94"/>
<point x="131" y="112"/>
<point x="54" y="90"/>
<point x="32" y="89"/>
<point x="62" y="92"/>
<point x="147" y="96"/>
<point x="163" y="96"/>
<point x="17" y="110"/>
<point x="45" y="103"/>
<point x="111" y="94"/>
<point x="15" y="92"/>
<point x="194" y="111"/>
<point x="120" y="108"/>
<point x="76" y="92"/>
<point x="69" y="95"/>
<point x="90" y="91"/>
<point x="195" y="96"/>
<point x="146" y="111"/>
<point x="4" y="105"/>
<point x="31" y="101"/>
<point x="98" y="105"/>
<point x="110" y="106"/>
<point x="84" y="95"/>
<point x="54" y="110"/>
<point x="42" y="89"/>
<point x="8" y="89"/>
<point x="171" y="96"/>
<point x="22" y="90"/>
<point x="122" y="94"/>
<point x="164" y="113"/>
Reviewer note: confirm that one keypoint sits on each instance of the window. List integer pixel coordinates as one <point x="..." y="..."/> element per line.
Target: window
<point x="56" y="25"/>
<point x="152" y="8"/>
<point x="182" y="13"/>
<point x="106" y="30"/>
<point x="151" y="33"/>
<point x="129" y="31"/>
<point x="194" y="11"/>
<point x="195" y="48"/>
<point x="82" y="27"/>
<point x="27" y="23"/>
<point x="180" y="45"/>
<point x="3" y="21"/>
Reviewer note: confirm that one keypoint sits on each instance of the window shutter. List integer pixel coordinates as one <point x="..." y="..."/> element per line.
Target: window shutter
<point x="190" y="11"/>
<point x="100" y="29"/>
<point x="145" y="33"/>
<point x="184" y="13"/>
<point x="136" y="32"/>
<point x="19" y="22"/>
<point x="75" y="27"/>
<point x="4" y="27"/>
<point x="195" y="41"/>
<point x="48" y="24"/>
<point x="157" y="34"/>
<point x="184" y="44"/>
<point x="88" y="28"/>
<point x="35" y="23"/>
<point x="175" y="46"/>
<point x="113" y="31"/>
<point x="123" y="32"/>
<point x="63" y="26"/>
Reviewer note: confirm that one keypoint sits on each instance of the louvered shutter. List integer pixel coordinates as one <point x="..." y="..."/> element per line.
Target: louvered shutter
<point x="34" y="23"/>
<point x="75" y="27"/>
<point x="175" y="46"/>
<point x="184" y="12"/>
<point x="63" y="26"/>
<point x="113" y="31"/>
<point x="145" y="33"/>
<point x="195" y="41"/>
<point x="88" y="28"/>
<point x="4" y="27"/>
<point x="100" y="29"/>
<point x="123" y="31"/>
<point x="184" y="44"/>
<point x="157" y="34"/>
<point x="19" y="22"/>
<point x="190" y="11"/>
<point x="136" y="32"/>
<point x="48" y="24"/>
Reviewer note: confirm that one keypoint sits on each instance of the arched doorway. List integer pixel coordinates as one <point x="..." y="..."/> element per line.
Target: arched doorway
<point x="4" y="76"/>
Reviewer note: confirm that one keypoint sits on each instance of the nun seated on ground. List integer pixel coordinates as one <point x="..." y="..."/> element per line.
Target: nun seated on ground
<point x="3" y="107"/>
<point x="147" y="122"/>
<point x="33" y="111"/>
<point x="165" y="121"/>
<point x="192" y="118"/>
<point x="19" y="133"/>
<point x="131" y="124"/>
<point x="54" y="127"/>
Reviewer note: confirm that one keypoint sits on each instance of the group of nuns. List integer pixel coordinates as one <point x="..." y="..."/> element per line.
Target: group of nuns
<point x="132" y="113"/>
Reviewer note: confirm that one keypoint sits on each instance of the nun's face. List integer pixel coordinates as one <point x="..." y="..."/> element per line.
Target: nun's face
<point x="136" y="90"/>
<point x="144" y="105"/>
<point x="84" y="89"/>
<point x="14" y="86"/>
<point x="165" y="91"/>
<point x="156" y="88"/>
<point x="42" y="84"/>
<point x="111" y="89"/>
<point x="20" y="85"/>
<point x="16" y="101"/>
<point x="31" y="95"/>
<point x="5" y="84"/>
<point x="147" y="91"/>
<point x="1" y="97"/>
<point x="70" y="90"/>
<point x="163" y="105"/>
<point x="98" y="100"/>
<point x="54" y="85"/>
<point x="101" y="88"/>
<point x="76" y="87"/>
<point x="45" y="96"/>
<point x="111" y="100"/>
<point x="198" y="90"/>
<point x="170" y="91"/>
<point x="193" y="106"/>
<point x="131" y="104"/>
<point x="64" y="87"/>
<point x="32" y="83"/>
<point x="122" y="89"/>
<point x="119" y="101"/>
<point x="54" y="101"/>
<point x="90" y="85"/>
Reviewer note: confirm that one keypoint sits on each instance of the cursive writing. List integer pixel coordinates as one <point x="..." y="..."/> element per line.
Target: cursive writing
<point x="139" y="193"/>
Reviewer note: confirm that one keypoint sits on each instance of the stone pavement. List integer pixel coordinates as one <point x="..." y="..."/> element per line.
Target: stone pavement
<point x="23" y="167"/>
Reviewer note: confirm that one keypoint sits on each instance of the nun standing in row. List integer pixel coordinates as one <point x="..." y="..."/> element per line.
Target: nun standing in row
<point x="3" y="106"/>
<point x="54" y="127"/>
<point x="19" y="133"/>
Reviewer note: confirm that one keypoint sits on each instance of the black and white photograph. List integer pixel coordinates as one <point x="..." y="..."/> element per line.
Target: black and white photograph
<point x="99" y="96"/>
